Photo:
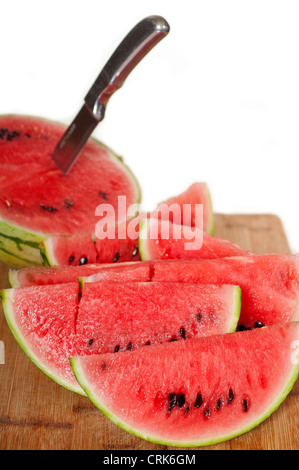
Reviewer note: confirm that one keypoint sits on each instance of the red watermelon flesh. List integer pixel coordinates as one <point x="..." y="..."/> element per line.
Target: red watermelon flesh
<point x="37" y="200"/>
<point x="269" y="283"/>
<point x="196" y="392"/>
<point x="143" y="313"/>
<point x="43" y="321"/>
<point x="163" y="240"/>
<point x="74" y="250"/>
<point x="197" y="193"/>
<point x="53" y="322"/>
<point x="43" y="275"/>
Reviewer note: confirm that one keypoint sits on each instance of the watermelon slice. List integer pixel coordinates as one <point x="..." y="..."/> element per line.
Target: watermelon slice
<point x="143" y="313"/>
<point x="161" y="239"/>
<point x="38" y="202"/>
<point x="269" y="283"/>
<point x="53" y="322"/>
<point x="43" y="275"/>
<point x="197" y="392"/>
<point x="197" y="193"/>
<point x="43" y="322"/>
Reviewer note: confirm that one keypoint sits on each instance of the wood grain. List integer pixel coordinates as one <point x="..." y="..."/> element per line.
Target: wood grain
<point x="36" y="413"/>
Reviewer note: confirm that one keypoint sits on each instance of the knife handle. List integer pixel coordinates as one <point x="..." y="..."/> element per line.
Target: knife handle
<point x="138" y="42"/>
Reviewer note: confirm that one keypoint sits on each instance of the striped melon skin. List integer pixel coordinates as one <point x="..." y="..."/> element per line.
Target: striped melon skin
<point x="196" y="392"/>
<point x="38" y="202"/>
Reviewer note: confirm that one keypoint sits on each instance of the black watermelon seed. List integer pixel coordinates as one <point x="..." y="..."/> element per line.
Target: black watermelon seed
<point x="198" y="401"/>
<point x="230" y="396"/>
<point x="147" y="343"/>
<point x="243" y="328"/>
<point x="28" y="135"/>
<point x="183" y="333"/>
<point x="245" y="405"/>
<point x="207" y="412"/>
<point x="129" y="347"/>
<point x="103" y="366"/>
<point x="199" y="317"/>
<point x="187" y="410"/>
<point x="219" y="404"/>
<point x="116" y="257"/>
<point x="68" y="203"/>
<point x="116" y="349"/>
<point x="180" y="400"/>
<point x="71" y="259"/>
<point x="2" y="132"/>
<point x="258" y="324"/>
<point x="83" y="260"/>
<point x="171" y="401"/>
<point x="48" y="208"/>
<point x="90" y="342"/>
<point x="135" y="251"/>
<point x="104" y="195"/>
<point x="172" y="340"/>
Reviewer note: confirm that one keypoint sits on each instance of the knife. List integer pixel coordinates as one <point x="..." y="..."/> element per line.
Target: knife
<point x="138" y="42"/>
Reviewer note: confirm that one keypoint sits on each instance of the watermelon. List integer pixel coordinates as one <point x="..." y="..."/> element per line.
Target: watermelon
<point x="82" y="249"/>
<point x="43" y="322"/>
<point x="197" y="392"/>
<point x="53" y="322"/>
<point x="39" y="205"/>
<point x="197" y="193"/>
<point x="269" y="283"/>
<point x="161" y="239"/>
<point x="43" y="275"/>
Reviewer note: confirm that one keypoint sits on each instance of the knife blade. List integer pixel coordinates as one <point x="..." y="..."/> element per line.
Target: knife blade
<point x="138" y="42"/>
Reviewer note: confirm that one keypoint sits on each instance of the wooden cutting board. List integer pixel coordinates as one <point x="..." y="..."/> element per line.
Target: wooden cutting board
<point x="36" y="413"/>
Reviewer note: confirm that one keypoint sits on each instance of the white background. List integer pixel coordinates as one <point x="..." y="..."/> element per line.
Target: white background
<point x="217" y="100"/>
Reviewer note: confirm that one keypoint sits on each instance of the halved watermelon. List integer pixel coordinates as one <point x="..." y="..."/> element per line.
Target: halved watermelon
<point x="38" y="201"/>
<point x="196" y="392"/>
<point x="161" y="239"/>
<point x="53" y="322"/>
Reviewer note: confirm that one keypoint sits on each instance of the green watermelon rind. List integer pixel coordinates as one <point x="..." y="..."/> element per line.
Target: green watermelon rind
<point x="236" y="311"/>
<point x="142" y="240"/>
<point x="211" y="229"/>
<point x="83" y="381"/>
<point x="31" y="241"/>
<point x="18" y="246"/>
<point x="7" y="298"/>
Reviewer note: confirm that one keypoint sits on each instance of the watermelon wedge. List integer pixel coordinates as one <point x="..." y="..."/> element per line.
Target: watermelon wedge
<point x="43" y="322"/>
<point x="40" y="205"/>
<point x="143" y="313"/>
<point x="163" y="240"/>
<point x="196" y="392"/>
<point x="43" y="275"/>
<point x="269" y="283"/>
<point x="197" y="193"/>
<point x="53" y="322"/>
